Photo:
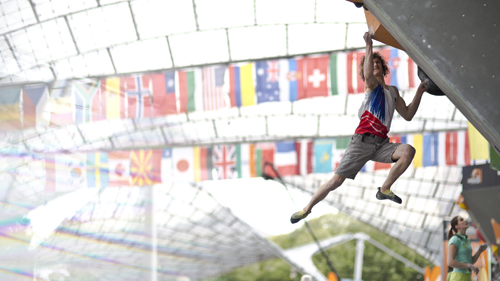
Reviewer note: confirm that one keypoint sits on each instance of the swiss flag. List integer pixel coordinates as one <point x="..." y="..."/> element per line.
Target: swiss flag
<point x="315" y="80"/>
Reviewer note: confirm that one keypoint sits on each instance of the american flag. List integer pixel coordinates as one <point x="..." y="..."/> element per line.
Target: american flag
<point x="225" y="161"/>
<point x="213" y="81"/>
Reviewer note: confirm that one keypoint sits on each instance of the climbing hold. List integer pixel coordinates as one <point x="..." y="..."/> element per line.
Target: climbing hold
<point x="432" y="88"/>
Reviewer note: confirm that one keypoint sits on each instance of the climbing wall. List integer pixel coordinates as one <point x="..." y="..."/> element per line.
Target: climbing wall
<point x="457" y="44"/>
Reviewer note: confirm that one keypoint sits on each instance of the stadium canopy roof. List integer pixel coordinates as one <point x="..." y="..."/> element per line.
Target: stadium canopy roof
<point x="44" y="41"/>
<point x="47" y="40"/>
<point x="55" y="41"/>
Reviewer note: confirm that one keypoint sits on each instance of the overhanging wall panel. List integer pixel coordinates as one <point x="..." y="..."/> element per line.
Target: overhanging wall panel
<point x="456" y="43"/>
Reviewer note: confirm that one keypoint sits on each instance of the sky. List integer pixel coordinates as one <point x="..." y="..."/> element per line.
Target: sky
<point x="264" y="204"/>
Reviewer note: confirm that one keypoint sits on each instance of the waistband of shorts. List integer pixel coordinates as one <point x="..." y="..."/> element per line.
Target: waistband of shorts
<point x="376" y="138"/>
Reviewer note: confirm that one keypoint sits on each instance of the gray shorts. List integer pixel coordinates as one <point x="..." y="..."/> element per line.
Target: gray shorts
<point x="362" y="148"/>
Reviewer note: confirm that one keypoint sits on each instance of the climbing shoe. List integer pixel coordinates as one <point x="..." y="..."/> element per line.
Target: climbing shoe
<point x="390" y="195"/>
<point x="296" y="217"/>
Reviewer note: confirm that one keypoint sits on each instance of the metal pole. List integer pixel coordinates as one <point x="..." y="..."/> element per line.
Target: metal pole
<point x="358" y="262"/>
<point x="308" y="227"/>
<point x="150" y="227"/>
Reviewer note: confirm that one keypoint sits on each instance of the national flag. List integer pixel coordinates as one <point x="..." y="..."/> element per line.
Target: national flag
<point x="372" y="166"/>
<point x="86" y="101"/>
<point x="267" y="76"/>
<point x="418" y="145"/>
<point x="157" y="156"/>
<point x="113" y="98"/>
<point x="451" y="148"/>
<point x="285" y="158"/>
<point x="304" y="150"/>
<point x="406" y="140"/>
<point x="145" y="167"/>
<point x="161" y="103"/>
<point x="339" y="150"/>
<point x="442" y="149"/>
<point x="291" y="79"/>
<point x="436" y="274"/>
<point x="253" y="161"/>
<point x="323" y="154"/>
<point x="35" y="100"/>
<point x="224" y="161"/>
<point x="427" y="275"/>
<point x="430" y="150"/>
<point x="445" y="148"/>
<point x="351" y="68"/>
<point x="60" y="104"/>
<point x="331" y="276"/>
<point x="97" y="170"/>
<point x="190" y="91"/>
<point x="386" y="54"/>
<point x="479" y="146"/>
<point x="264" y="155"/>
<point x="10" y="112"/>
<point x="203" y="163"/>
<point x="398" y="65"/>
<point x="413" y="80"/>
<point x="457" y="148"/>
<point x="164" y="100"/>
<point x="213" y="81"/>
<point x="382" y="166"/>
<point x="119" y="168"/>
<point x="241" y="86"/>
<point x="167" y="166"/>
<point x="395" y="139"/>
<point x="463" y="156"/>
<point x="315" y="81"/>
<point x="359" y="82"/>
<point x="138" y="89"/>
<point x="338" y="75"/>
<point x="368" y="167"/>
<point x="494" y="159"/>
<point x="183" y="163"/>
<point x="245" y="160"/>
<point x="355" y="84"/>
<point x="65" y="172"/>
<point x="496" y="230"/>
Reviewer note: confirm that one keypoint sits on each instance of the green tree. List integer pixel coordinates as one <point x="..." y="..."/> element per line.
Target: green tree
<point x="377" y="265"/>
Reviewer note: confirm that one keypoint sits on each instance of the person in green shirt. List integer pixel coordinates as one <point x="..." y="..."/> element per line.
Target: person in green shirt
<point x="460" y="252"/>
